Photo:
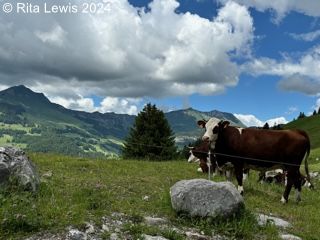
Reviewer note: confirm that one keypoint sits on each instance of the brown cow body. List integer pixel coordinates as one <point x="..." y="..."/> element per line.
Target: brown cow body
<point x="260" y="149"/>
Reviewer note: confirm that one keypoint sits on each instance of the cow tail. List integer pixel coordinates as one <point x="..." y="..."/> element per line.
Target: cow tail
<point x="306" y="166"/>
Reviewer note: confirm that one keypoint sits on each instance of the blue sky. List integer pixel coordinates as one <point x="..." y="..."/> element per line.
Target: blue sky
<point x="257" y="59"/>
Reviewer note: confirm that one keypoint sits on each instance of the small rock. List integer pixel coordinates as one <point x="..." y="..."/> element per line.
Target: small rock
<point x="114" y="236"/>
<point x="314" y="174"/>
<point x="196" y="236"/>
<point x="289" y="237"/>
<point x="48" y="174"/>
<point x="278" y="222"/>
<point x="148" y="237"/>
<point x="75" y="234"/>
<point x="105" y="228"/>
<point x="155" y="221"/>
<point x="89" y="228"/>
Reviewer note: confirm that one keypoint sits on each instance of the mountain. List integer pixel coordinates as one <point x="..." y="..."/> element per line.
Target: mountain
<point x="31" y="121"/>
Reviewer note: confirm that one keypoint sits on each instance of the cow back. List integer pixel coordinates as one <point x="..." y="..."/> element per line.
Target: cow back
<point x="262" y="148"/>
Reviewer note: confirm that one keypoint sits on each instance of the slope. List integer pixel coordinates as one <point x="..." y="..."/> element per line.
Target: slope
<point x="311" y="125"/>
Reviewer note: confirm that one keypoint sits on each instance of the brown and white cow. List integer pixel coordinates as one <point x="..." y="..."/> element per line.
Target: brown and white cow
<point x="259" y="149"/>
<point x="201" y="154"/>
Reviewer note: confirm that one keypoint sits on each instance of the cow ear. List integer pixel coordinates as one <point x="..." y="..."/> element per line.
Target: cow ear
<point x="225" y="124"/>
<point x="202" y="123"/>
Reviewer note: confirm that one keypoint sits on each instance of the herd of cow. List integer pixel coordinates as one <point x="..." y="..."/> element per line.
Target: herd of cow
<point x="276" y="154"/>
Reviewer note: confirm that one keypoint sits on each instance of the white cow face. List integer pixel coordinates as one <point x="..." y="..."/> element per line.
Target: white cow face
<point x="212" y="129"/>
<point x="210" y="134"/>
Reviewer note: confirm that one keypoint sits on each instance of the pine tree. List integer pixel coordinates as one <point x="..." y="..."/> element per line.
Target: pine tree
<point x="301" y="115"/>
<point x="314" y="113"/>
<point x="319" y="110"/>
<point x="266" y="126"/>
<point x="150" y="137"/>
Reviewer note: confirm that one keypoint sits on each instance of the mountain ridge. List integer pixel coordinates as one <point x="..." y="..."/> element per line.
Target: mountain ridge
<point x="31" y="121"/>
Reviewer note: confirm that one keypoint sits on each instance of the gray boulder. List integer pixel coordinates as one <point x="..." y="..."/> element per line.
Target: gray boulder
<point x="203" y="198"/>
<point x="16" y="167"/>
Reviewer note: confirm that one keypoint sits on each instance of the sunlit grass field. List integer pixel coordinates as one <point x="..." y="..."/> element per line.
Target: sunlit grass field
<point x="84" y="190"/>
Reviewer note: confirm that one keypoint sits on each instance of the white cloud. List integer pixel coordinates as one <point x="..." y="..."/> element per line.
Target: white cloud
<point x="55" y="37"/>
<point x="275" y="121"/>
<point x="252" y="121"/>
<point x="317" y="106"/>
<point x="249" y="120"/>
<point x="108" y="104"/>
<point x="80" y="104"/>
<point x="283" y="7"/>
<point x="300" y="75"/>
<point x="117" y="105"/>
<point x="126" y="52"/>
<point x="309" y="37"/>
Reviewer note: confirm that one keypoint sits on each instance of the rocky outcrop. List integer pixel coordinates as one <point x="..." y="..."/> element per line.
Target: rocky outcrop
<point x="16" y="168"/>
<point x="203" y="198"/>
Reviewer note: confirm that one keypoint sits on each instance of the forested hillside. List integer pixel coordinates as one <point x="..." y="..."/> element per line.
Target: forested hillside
<point x="30" y="121"/>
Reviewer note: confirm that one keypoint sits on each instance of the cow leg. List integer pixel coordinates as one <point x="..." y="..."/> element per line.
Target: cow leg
<point x="239" y="175"/>
<point x="289" y="183"/>
<point x="297" y="186"/>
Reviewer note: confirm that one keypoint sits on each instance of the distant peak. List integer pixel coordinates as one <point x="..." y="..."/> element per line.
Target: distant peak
<point x="19" y="88"/>
<point x="22" y="93"/>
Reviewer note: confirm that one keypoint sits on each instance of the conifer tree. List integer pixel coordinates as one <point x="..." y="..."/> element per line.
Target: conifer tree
<point x="314" y="113"/>
<point x="301" y="115"/>
<point x="266" y="126"/>
<point x="150" y="137"/>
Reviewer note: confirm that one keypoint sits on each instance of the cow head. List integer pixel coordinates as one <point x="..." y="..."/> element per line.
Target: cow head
<point x="192" y="158"/>
<point x="213" y="127"/>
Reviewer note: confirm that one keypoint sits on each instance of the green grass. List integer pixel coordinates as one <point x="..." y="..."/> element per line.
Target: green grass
<point x="5" y="139"/>
<point x="82" y="190"/>
<point x="14" y="127"/>
<point x="311" y="125"/>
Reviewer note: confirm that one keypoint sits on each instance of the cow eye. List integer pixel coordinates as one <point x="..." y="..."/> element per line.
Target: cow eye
<point x="215" y="130"/>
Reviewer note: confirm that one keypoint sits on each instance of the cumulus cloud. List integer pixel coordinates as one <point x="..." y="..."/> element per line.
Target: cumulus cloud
<point x="108" y="104"/>
<point x="126" y="52"/>
<point x="112" y="104"/>
<point x="275" y="121"/>
<point x="55" y="37"/>
<point x="81" y="103"/>
<point x="249" y="120"/>
<point x="300" y="75"/>
<point x="300" y="83"/>
<point x="252" y="121"/>
<point x="283" y="7"/>
<point x="308" y="37"/>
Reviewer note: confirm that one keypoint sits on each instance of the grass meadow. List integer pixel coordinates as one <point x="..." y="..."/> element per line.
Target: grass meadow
<point x="85" y="190"/>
